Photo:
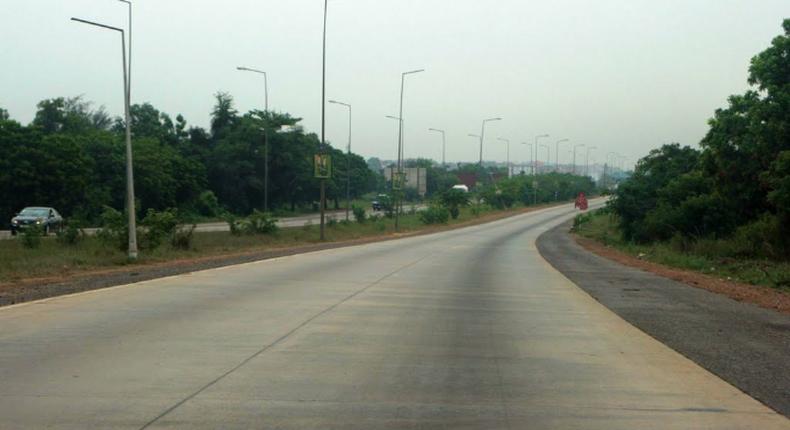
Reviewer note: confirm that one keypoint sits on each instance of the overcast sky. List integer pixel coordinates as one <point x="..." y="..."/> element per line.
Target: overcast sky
<point x="622" y="75"/>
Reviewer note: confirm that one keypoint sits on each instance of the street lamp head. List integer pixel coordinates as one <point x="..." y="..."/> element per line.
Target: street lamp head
<point x="392" y="117"/>
<point x="542" y="135"/>
<point x="562" y="140"/>
<point x="503" y="139"/>
<point x="413" y="71"/>
<point x="125" y="1"/>
<point x="474" y="135"/>
<point x="492" y="119"/>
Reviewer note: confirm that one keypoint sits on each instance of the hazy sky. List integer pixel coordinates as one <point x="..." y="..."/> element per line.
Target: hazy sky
<point x="625" y="75"/>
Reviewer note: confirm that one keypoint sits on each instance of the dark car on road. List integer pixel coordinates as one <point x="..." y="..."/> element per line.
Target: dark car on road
<point x="47" y="219"/>
<point x="382" y="203"/>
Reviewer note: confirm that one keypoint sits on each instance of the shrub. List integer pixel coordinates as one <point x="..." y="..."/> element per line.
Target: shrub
<point x="114" y="231"/>
<point x="207" y="204"/>
<point x="70" y="234"/>
<point x="453" y="200"/>
<point x="435" y="215"/>
<point x="31" y="237"/>
<point x="159" y="227"/>
<point x="360" y="215"/>
<point x="331" y="222"/>
<point x="580" y="220"/>
<point x="260" y="223"/>
<point x="235" y="225"/>
<point x="182" y="237"/>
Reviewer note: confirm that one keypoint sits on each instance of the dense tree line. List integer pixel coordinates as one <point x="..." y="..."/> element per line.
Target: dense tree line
<point x="72" y="157"/>
<point x="737" y="185"/>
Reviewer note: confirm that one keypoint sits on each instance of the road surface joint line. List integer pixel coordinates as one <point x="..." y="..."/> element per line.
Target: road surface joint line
<point x="279" y="340"/>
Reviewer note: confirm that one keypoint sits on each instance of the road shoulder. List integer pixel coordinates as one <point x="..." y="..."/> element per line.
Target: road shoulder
<point x="742" y="343"/>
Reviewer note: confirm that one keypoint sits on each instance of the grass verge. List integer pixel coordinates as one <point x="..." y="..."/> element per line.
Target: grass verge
<point x="700" y="257"/>
<point x="55" y="262"/>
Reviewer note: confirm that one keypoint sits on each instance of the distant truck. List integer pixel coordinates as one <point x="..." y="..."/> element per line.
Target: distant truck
<point x="463" y="188"/>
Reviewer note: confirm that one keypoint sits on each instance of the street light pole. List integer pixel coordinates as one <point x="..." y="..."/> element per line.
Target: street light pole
<point x="557" y="154"/>
<point x="574" y="156"/>
<point x="507" y="141"/>
<point x="265" y="83"/>
<point x="132" y="251"/>
<point x="348" y="158"/>
<point x="530" y="154"/>
<point x="129" y="67"/>
<point x="482" y="136"/>
<point x="399" y="206"/>
<point x="535" y="164"/>
<point x="265" y="136"/>
<point x="323" y="122"/>
<point x="444" y="144"/>
<point x="587" y="160"/>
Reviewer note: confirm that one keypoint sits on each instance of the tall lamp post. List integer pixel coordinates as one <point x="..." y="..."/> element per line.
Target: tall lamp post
<point x="348" y="157"/>
<point x="265" y="135"/>
<point x="129" y="66"/>
<point x="557" y="154"/>
<point x="574" y="156"/>
<point x="482" y="136"/>
<point x="535" y="165"/>
<point x="507" y="141"/>
<point x="265" y="83"/>
<point x="399" y="206"/>
<point x="132" y="246"/>
<point x="530" y="154"/>
<point x="444" y="144"/>
<point x="322" y="149"/>
<point x="587" y="160"/>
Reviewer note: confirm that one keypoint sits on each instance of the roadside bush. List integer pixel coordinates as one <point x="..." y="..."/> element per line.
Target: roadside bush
<point x="580" y="220"/>
<point x="453" y="200"/>
<point x="435" y="215"/>
<point x="761" y="238"/>
<point x="182" y="237"/>
<point x="113" y="230"/>
<point x="235" y="225"/>
<point x="331" y="222"/>
<point x="360" y="215"/>
<point x="260" y="223"/>
<point x="208" y="205"/>
<point x="160" y="226"/>
<point x="70" y="234"/>
<point x="31" y="237"/>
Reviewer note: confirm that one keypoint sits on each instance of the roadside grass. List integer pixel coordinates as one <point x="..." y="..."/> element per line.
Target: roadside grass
<point x="705" y="256"/>
<point x="53" y="259"/>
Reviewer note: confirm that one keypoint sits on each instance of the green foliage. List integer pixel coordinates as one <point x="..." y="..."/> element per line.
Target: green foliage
<point x="733" y="197"/>
<point x="70" y="234"/>
<point x="435" y="215"/>
<point x="360" y="215"/>
<point x="235" y="225"/>
<point x="453" y="200"/>
<point x="31" y="236"/>
<point x="260" y="223"/>
<point x="72" y="157"/>
<point x="114" y="228"/>
<point x="159" y="226"/>
<point x="208" y="205"/>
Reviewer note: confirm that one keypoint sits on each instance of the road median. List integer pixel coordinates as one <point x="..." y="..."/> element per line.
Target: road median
<point x="65" y="270"/>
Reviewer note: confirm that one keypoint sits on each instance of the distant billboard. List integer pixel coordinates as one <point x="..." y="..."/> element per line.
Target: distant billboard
<point x="413" y="177"/>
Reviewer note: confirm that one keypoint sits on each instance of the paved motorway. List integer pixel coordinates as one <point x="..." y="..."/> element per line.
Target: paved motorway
<point x="466" y="329"/>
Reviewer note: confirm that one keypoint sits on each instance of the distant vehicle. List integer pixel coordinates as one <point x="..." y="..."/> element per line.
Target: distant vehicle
<point x="48" y="219"/>
<point x="381" y="203"/>
<point x="463" y="188"/>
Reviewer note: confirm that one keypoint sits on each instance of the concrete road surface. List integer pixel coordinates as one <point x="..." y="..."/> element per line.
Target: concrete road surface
<point x="467" y="329"/>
